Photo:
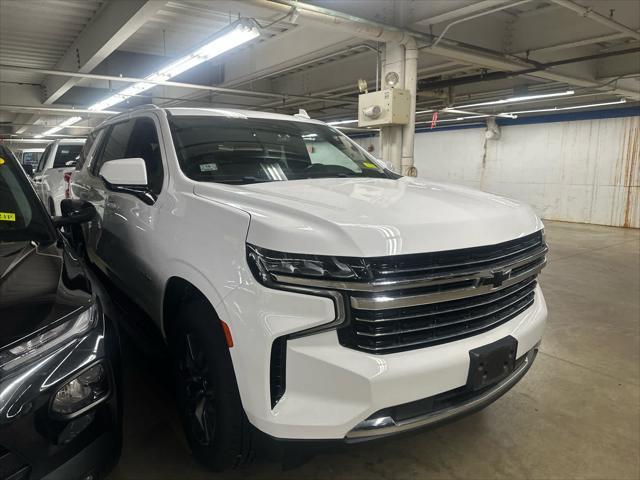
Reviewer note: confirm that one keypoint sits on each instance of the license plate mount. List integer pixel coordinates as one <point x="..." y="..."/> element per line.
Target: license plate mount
<point x="491" y="363"/>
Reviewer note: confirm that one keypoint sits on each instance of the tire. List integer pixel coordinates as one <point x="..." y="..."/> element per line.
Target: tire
<point x="213" y="419"/>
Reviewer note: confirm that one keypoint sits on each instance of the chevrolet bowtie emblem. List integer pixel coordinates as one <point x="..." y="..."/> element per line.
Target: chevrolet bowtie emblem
<point x="499" y="277"/>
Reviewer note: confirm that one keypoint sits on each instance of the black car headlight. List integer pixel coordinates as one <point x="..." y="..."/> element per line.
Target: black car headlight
<point x="49" y="340"/>
<point x="82" y="392"/>
<point x="272" y="267"/>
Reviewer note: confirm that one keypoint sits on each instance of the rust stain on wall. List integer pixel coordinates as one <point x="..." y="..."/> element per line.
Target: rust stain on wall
<point x="630" y="171"/>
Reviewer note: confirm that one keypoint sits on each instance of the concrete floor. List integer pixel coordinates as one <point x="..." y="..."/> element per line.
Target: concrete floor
<point x="575" y="415"/>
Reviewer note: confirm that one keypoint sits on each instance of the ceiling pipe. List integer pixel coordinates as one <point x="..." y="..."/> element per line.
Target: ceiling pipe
<point x="482" y="77"/>
<point x="453" y="50"/>
<point x="229" y="91"/>
<point x="477" y="15"/>
<point x="371" y="30"/>
<point x="460" y="12"/>
<point x="312" y="61"/>
<point x="588" y="12"/>
<point x="56" y="110"/>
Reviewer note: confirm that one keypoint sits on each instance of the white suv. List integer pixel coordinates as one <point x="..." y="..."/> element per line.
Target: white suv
<point x="58" y="159"/>
<point x="302" y="288"/>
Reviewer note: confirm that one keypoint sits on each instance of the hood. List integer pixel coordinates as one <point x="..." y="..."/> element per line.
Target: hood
<point x="372" y="217"/>
<point x="38" y="286"/>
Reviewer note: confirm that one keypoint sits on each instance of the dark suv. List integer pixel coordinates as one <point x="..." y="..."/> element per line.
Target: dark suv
<point x="60" y="414"/>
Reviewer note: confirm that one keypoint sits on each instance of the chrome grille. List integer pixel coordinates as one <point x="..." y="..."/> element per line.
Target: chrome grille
<point x="415" y="301"/>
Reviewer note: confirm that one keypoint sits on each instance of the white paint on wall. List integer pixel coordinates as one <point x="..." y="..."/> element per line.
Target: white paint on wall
<point x="580" y="171"/>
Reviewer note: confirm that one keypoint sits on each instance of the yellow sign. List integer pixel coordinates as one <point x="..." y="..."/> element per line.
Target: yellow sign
<point x="7" y="217"/>
<point x="1" y="160"/>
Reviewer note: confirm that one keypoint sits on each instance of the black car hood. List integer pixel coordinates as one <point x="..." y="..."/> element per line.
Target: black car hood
<point x="39" y="285"/>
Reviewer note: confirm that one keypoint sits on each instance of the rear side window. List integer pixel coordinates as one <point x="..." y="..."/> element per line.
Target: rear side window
<point x="115" y="145"/>
<point x="43" y="159"/>
<point x="65" y="154"/>
<point x="85" y="150"/>
<point x="90" y="148"/>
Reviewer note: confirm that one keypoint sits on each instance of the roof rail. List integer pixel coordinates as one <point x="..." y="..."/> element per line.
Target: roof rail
<point x="144" y="106"/>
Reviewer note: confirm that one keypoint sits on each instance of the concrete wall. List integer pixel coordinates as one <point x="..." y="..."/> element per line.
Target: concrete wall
<point x="578" y="171"/>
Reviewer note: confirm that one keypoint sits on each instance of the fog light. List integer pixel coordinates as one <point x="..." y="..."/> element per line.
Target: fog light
<point x="75" y="427"/>
<point x="87" y="388"/>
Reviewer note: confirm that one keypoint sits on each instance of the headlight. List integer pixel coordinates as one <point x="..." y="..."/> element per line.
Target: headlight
<point x="82" y="392"/>
<point x="49" y="340"/>
<point x="307" y="274"/>
<point x="269" y="266"/>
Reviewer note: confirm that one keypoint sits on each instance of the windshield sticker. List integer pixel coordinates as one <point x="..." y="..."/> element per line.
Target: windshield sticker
<point x="370" y="165"/>
<point x="208" y="167"/>
<point x="7" y="216"/>
<point x="1" y="161"/>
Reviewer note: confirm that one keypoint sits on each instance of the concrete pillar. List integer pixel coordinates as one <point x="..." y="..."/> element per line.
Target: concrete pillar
<point x="410" y="84"/>
<point x="391" y="137"/>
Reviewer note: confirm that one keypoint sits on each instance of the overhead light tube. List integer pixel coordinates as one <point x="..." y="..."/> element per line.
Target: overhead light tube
<point x="68" y="122"/>
<point x="574" y="107"/>
<point x="518" y="99"/>
<point x="236" y="34"/>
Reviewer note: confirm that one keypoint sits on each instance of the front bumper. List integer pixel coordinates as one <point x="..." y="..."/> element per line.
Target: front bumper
<point x="34" y="443"/>
<point x="331" y="391"/>
<point x="383" y="424"/>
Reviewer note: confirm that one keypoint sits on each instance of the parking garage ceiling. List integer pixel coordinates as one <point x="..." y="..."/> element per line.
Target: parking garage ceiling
<point x="470" y="52"/>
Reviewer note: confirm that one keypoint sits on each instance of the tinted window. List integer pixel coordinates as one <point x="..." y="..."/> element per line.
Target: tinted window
<point x="144" y="144"/>
<point x="115" y="146"/>
<point x="21" y="215"/>
<point x="85" y="150"/>
<point x="245" y="150"/>
<point x="66" y="153"/>
<point x="43" y="159"/>
<point x="89" y="149"/>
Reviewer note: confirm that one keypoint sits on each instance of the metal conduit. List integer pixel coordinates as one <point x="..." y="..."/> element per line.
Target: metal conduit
<point x="229" y="91"/>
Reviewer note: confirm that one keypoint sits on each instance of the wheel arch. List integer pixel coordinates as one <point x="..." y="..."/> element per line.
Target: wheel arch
<point x="178" y="290"/>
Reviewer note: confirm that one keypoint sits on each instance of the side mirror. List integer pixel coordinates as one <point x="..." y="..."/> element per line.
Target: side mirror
<point x="128" y="175"/>
<point x="125" y="172"/>
<point x="74" y="212"/>
<point x="28" y="169"/>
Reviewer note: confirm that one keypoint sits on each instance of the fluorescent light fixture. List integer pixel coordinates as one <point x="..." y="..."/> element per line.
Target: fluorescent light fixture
<point x="557" y="109"/>
<point x="459" y="119"/>
<point x="38" y="136"/>
<point x="233" y="36"/>
<point x="342" y="122"/>
<point x="424" y="111"/>
<point x="68" y="122"/>
<point x="476" y="114"/>
<point x="519" y="99"/>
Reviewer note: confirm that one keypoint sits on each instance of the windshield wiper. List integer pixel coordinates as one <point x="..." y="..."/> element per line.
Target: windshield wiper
<point x="241" y="180"/>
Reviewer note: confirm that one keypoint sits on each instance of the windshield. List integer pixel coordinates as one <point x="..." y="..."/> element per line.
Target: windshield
<point x="66" y="153"/>
<point x="241" y="150"/>
<point x="21" y="216"/>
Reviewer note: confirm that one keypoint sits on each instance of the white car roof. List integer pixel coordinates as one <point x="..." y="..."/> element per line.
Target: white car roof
<point x="236" y="113"/>
<point x="205" y="112"/>
<point x="71" y="141"/>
